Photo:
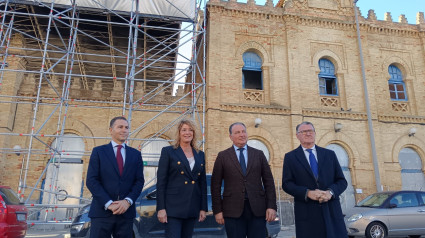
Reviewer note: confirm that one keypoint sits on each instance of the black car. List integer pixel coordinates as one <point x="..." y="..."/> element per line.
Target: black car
<point x="146" y="223"/>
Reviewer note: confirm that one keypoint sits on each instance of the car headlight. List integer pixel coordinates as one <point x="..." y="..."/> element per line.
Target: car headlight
<point x="84" y="210"/>
<point x="76" y="228"/>
<point x="355" y="217"/>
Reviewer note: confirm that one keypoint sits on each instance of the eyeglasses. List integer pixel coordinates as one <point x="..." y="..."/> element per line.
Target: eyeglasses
<point x="306" y="132"/>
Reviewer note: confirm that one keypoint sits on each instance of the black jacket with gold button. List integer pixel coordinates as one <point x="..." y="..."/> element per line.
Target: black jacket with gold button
<point x="180" y="190"/>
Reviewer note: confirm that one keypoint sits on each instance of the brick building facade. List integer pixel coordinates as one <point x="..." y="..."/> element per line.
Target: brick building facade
<point x="288" y="41"/>
<point x="297" y="61"/>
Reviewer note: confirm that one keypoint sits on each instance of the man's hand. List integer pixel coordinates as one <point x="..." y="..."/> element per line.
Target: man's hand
<point x="119" y="207"/>
<point x="162" y="216"/>
<point x="112" y="207"/>
<point x="270" y="214"/>
<point x="325" y="197"/>
<point x="316" y="195"/>
<point x="202" y="216"/>
<point x="219" y="218"/>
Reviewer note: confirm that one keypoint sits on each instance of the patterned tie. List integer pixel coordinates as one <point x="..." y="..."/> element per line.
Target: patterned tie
<point x="119" y="159"/>
<point x="242" y="160"/>
<point x="313" y="163"/>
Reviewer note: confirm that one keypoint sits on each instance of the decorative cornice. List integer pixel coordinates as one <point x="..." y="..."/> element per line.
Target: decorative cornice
<point x="346" y="22"/>
<point x="393" y="29"/>
<point x="255" y="109"/>
<point x="257" y="11"/>
<point x="318" y="22"/>
<point x="310" y="112"/>
<point x="334" y="114"/>
<point x="402" y="119"/>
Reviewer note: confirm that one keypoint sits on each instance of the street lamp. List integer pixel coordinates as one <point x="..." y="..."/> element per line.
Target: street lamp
<point x="369" y="117"/>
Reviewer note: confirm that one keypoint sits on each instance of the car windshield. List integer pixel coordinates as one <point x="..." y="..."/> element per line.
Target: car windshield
<point x="9" y="196"/>
<point x="374" y="200"/>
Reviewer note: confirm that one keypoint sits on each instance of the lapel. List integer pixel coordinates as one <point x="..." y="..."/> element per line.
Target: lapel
<point x="320" y="158"/>
<point x="197" y="167"/>
<point x="183" y="159"/>
<point x="252" y="158"/>
<point x="110" y="155"/>
<point x="299" y="153"/>
<point x="127" y="160"/>
<point x="234" y="159"/>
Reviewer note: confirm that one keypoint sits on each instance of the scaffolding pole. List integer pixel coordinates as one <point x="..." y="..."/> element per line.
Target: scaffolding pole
<point x="73" y="58"/>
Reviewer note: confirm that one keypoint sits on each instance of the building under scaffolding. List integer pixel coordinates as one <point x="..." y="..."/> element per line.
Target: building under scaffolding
<point x="68" y="67"/>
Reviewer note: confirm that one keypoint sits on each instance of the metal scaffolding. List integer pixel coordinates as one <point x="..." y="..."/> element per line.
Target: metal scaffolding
<point x="58" y="60"/>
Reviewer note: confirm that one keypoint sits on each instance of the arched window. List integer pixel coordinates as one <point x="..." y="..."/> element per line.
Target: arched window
<point x="347" y="197"/>
<point x="412" y="177"/>
<point x="396" y="84"/>
<point x="261" y="146"/>
<point x="252" y="74"/>
<point x="327" y="79"/>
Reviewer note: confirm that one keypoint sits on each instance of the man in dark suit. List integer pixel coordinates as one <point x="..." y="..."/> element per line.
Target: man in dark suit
<point x="115" y="179"/>
<point x="312" y="175"/>
<point x="249" y="197"/>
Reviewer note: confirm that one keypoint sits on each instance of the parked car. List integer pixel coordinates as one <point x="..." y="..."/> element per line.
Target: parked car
<point x="385" y="214"/>
<point x="13" y="214"/>
<point x="146" y="223"/>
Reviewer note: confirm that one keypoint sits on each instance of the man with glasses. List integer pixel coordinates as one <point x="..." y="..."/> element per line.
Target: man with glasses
<point x="313" y="176"/>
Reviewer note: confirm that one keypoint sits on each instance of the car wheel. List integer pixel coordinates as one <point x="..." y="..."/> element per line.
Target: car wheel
<point x="376" y="230"/>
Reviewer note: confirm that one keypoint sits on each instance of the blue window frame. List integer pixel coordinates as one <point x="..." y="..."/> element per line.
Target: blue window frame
<point x="252" y="74"/>
<point x="328" y="84"/>
<point x="396" y="84"/>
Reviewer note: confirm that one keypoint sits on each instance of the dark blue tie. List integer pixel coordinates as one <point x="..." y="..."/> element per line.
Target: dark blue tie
<point x="242" y="160"/>
<point x="313" y="163"/>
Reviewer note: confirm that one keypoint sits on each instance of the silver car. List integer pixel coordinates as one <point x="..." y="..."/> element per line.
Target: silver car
<point x="384" y="214"/>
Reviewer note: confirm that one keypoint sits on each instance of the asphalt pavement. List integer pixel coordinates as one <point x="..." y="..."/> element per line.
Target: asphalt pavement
<point x="287" y="232"/>
<point x="41" y="231"/>
<point x="59" y="232"/>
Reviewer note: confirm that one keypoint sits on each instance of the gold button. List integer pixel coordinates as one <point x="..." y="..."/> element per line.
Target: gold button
<point x="199" y="174"/>
<point x="185" y="182"/>
<point x="182" y="172"/>
<point x="193" y="182"/>
<point x="202" y="164"/>
<point x="178" y="162"/>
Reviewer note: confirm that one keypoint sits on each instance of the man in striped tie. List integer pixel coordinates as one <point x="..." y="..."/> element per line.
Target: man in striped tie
<point x="314" y="177"/>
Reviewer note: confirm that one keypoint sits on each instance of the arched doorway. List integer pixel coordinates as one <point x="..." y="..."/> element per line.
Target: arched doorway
<point x="64" y="176"/>
<point x="412" y="176"/>
<point x="257" y="144"/>
<point x="151" y="151"/>
<point x="347" y="198"/>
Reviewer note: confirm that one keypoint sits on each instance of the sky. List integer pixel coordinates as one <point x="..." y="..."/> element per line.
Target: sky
<point x="396" y="7"/>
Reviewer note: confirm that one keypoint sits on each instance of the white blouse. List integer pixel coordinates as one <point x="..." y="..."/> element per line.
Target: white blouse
<point x="191" y="162"/>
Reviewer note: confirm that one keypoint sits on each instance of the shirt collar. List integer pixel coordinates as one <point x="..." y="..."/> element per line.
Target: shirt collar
<point x="236" y="148"/>
<point x="313" y="148"/>
<point x="114" y="144"/>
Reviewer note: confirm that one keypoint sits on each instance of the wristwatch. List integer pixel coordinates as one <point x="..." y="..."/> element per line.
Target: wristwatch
<point x="332" y="193"/>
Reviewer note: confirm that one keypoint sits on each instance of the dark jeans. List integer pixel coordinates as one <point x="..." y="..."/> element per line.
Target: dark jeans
<point x="247" y="225"/>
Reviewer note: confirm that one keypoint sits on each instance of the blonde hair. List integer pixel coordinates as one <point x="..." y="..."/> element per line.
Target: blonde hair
<point x="192" y="126"/>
